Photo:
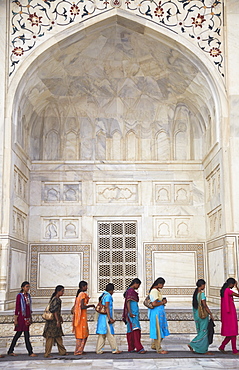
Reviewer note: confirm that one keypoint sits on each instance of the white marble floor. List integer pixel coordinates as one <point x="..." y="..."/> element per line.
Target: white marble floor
<point x="172" y="343"/>
<point x="144" y="364"/>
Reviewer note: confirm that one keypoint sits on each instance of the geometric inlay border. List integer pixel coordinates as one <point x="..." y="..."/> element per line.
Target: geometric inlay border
<point x="35" y="250"/>
<point x="152" y="247"/>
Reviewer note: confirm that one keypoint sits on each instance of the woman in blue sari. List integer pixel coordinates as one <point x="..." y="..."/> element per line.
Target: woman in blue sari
<point x="200" y="343"/>
<point x="157" y="316"/>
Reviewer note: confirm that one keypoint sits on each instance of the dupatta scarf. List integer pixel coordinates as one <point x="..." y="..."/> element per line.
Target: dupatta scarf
<point x="130" y="295"/>
<point x="77" y="309"/>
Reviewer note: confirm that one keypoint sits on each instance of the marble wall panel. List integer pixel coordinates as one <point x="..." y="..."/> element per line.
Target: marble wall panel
<point x="20" y="184"/>
<point x="173" y="257"/>
<point x="174" y="193"/>
<point x="173" y="227"/>
<point x="19" y="223"/>
<point x="216" y="267"/>
<point x="61" y="192"/>
<point x="178" y="269"/>
<point x="49" y="263"/>
<point x="59" y="268"/>
<point x="58" y="228"/>
<point x="215" y="221"/>
<point x="117" y="192"/>
<point x="18" y="261"/>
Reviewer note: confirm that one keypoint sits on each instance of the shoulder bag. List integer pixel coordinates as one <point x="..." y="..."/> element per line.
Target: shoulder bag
<point x="147" y="302"/>
<point x="48" y="315"/>
<point x="100" y="308"/>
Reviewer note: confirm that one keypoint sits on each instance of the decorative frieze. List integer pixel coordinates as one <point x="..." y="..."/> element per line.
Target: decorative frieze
<point x="53" y="192"/>
<point x="199" y="22"/>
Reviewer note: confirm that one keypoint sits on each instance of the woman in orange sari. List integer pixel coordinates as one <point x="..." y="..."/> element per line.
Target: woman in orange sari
<point x="80" y="325"/>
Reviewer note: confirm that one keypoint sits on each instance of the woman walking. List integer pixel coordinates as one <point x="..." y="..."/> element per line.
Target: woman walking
<point x="157" y="316"/>
<point x="22" y="319"/>
<point x="131" y="317"/>
<point x="53" y="330"/>
<point x="105" y="328"/>
<point x="229" y="327"/>
<point x="79" y="322"/>
<point x="200" y="343"/>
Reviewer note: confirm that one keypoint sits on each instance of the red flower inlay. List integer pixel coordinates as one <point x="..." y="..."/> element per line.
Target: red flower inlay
<point x="74" y="10"/>
<point x="214" y="52"/>
<point x="199" y="20"/>
<point x="18" y="51"/>
<point x="34" y="19"/>
<point x="159" y="10"/>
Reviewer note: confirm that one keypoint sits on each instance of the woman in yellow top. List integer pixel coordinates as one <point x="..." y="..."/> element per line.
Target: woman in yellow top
<point x="79" y="322"/>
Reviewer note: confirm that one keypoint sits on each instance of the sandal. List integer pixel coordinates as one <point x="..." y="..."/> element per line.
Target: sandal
<point x="222" y="350"/>
<point x="12" y="354"/>
<point x="142" y="352"/>
<point x="117" y="352"/>
<point x="33" y="355"/>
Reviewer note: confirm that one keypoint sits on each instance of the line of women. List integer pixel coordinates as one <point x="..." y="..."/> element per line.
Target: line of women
<point x="53" y="332"/>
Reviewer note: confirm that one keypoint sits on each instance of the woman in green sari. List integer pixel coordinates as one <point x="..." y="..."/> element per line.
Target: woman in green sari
<point x="200" y="343"/>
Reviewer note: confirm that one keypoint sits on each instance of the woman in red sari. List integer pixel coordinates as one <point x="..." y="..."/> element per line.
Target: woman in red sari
<point x="23" y="319"/>
<point x="229" y="315"/>
<point x="131" y="317"/>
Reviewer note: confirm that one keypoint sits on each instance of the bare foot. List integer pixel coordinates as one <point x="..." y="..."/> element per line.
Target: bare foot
<point x="163" y="352"/>
<point x="208" y="353"/>
<point x="190" y="348"/>
<point x="33" y="355"/>
<point x="2" y="356"/>
<point x="237" y="353"/>
<point x="142" y="352"/>
<point x="12" y="354"/>
<point x="117" y="352"/>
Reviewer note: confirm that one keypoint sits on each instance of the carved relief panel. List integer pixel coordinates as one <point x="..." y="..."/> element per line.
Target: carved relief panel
<point x="174" y="193"/>
<point x="61" y="192"/>
<point x="57" y="228"/>
<point x="172" y="227"/>
<point x="20" y="184"/>
<point x="19" y="223"/>
<point x="117" y="192"/>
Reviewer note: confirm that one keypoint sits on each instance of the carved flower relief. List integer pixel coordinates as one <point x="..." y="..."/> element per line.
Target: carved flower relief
<point x="18" y="51"/>
<point x="214" y="52"/>
<point x="74" y="10"/>
<point x="34" y="19"/>
<point x="199" y="20"/>
<point x="159" y="10"/>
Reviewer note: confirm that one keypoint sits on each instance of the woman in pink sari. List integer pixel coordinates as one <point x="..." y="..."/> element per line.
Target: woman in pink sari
<point x="229" y="315"/>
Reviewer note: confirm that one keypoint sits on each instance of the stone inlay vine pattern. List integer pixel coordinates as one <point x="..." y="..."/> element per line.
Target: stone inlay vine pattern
<point x="197" y="20"/>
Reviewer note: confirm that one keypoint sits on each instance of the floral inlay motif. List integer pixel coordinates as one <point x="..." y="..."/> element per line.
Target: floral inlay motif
<point x="199" y="21"/>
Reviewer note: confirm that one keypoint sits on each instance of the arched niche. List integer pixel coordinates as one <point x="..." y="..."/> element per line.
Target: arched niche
<point x="136" y="75"/>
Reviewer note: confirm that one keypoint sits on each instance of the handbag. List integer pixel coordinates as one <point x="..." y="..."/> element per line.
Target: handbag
<point x="48" y="315"/>
<point x="100" y="308"/>
<point x="147" y="302"/>
<point x="202" y="313"/>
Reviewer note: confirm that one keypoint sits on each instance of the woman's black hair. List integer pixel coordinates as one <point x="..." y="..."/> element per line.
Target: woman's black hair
<point x="134" y="281"/>
<point x="226" y="285"/>
<point x="199" y="283"/>
<point x="58" y="288"/>
<point x="81" y="285"/>
<point x="158" y="281"/>
<point x="24" y="284"/>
